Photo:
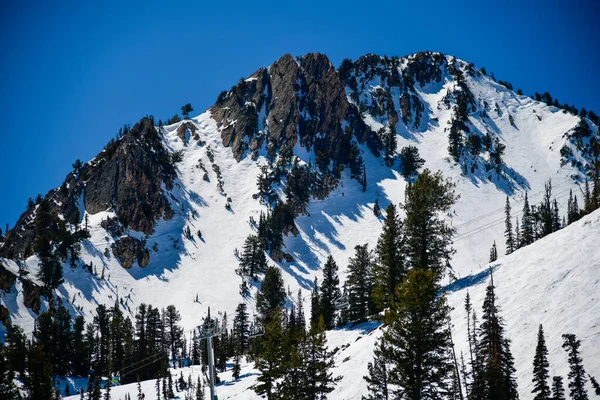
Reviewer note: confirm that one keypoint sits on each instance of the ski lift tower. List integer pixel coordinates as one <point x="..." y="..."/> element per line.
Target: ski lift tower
<point x="208" y="332"/>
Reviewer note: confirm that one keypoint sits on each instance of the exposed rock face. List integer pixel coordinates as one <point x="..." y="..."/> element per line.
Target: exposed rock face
<point x="4" y="316"/>
<point x="129" y="250"/>
<point x="126" y="177"/>
<point x="185" y="131"/>
<point x="302" y="100"/>
<point x="7" y="279"/>
<point x="32" y="294"/>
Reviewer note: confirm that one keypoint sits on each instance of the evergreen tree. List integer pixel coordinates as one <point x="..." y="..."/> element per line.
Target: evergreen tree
<point x="199" y="390"/>
<point x="50" y="272"/>
<point x="186" y="110"/>
<point x="301" y="324"/>
<point x="271" y="294"/>
<point x="318" y="381"/>
<point x="174" y="332"/>
<point x="527" y="235"/>
<point x="518" y="239"/>
<point x="417" y="338"/>
<point x="8" y="390"/>
<point x="577" y="377"/>
<point x="558" y="390"/>
<point x="428" y="236"/>
<point x="587" y="198"/>
<point x="241" y="329"/>
<point x="541" y="388"/>
<point x="80" y="350"/>
<point x="390" y="268"/>
<point x="595" y="385"/>
<point x="573" y="211"/>
<point x="378" y="378"/>
<point x="377" y="208"/>
<point x="508" y="229"/>
<point x="237" y="368"/>
<point x="330" y="293"/>
<point x="38" y="382"/>
<point x="493" y="253"/>
<point x="496" y="380"/>
<point x="252" y="260"/>
<point x="410" y="160"/>
<point x="358" y="284"/>
<point x="269" y="362"/>
<point x="315" y="303"/>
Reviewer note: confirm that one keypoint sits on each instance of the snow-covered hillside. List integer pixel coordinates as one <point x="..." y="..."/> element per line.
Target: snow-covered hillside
<point x="535" y="285"/>
<point x="184" y="268"/>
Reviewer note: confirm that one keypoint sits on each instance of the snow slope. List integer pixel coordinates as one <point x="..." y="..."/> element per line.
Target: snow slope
<point x="181" y="269"/>
<point x="551" y="282"/>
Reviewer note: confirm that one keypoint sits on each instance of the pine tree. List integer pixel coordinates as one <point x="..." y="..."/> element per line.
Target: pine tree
<point x="595" y="385"/>
<point x="237" y="368"/>
<point x="269" y="362"/>
<point x="428" y="235"/>
<point x="378" y="378"/>
<point x="271" y="294"/>
<point x="390" y="268"/>
<point x="50" y="272"/>
<point x="377" y="208"/>
<point x="358" y="284"/>
<point x="252" y="260"/>
<point x="417" y="338"/>
<point x="174" y="332"/>
<point x="241" y="328"/>
<point x="315" y="303"/>
<point x="493" y="253"/>
<point x="8" y="390"/>
<point x="541" y="388"/>
<point x="527" y="235"/>
<point x="496" y="380"/>
<point x="518" y="239"/>
<point x="558" y="390"/>
<point x="587" y="198"/>
<point x="317" y="361"/>
<point x="199" y="390"/>
<point x="508" y="229"/>
<point x="577" y="377"/>
<point x="330" y="293"/>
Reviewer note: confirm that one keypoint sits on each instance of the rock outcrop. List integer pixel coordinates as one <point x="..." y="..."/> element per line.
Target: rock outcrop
<point x="129" y="250"/>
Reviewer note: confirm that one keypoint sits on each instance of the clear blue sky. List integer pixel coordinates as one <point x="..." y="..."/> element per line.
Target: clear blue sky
<point x="73" y="72"/>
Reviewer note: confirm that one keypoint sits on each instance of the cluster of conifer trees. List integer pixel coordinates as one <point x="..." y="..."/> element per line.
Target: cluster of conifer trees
<point x="541" y="220"/>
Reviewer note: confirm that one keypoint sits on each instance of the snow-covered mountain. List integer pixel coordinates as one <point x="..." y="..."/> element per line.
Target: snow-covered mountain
<point x="167" y="206"/>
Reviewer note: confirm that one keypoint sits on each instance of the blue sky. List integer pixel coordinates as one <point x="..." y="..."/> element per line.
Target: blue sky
<point x="73" y="72"/>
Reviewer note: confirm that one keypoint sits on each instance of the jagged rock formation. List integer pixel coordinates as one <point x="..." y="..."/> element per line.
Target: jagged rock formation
<point x="129" y="250"/>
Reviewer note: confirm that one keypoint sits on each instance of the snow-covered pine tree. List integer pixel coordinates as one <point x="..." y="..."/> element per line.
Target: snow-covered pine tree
<point x="595" y="385"/>
<point x="390" y="268"/>
<point x="508" y="228"/>
<point x="577" y="377"/>
<point x="358" y="284"/>
<point x="377" y="378"/>
<point x="330" y="293"/>
<point x="541" y="387"/>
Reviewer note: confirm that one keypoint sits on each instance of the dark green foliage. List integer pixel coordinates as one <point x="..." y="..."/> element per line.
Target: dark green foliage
<point x="38" y="383"/>
<point x="315" y="303"/>
<point x="241" y="328"/>
<point x="508" y="229"/>
<point x="271" y="295"/>
<point x="330" y="293"/>
<point x="358" y="284"/>
<point x="377" y="208"/>
<point x="493" y="253"/>
<point x="270" y="361"/>
<point x="390" y="268"/>
<point x="8" y="390"/>
<point x="527" y="233"/>
<point x="173" y="332"/>
<point x="428" y="236"/>
<point x="297" y="187"/>
<point x="577" y="376"/>
<point x="595" y="385"/>
<point x="417" y="340"/>
<point x="541" y="387"/>
<point x="494" y="378"/>
<point x="455" y="141"/>
<point x="378" y="378"/>
<point x="474" y="143"/>
<point x="186" y="110"/>
<point x="16" y="347"/>
<point x="237" y="368"/>
<point x="410" y="160"/>
<point x="496" y="155"/>
<point x="558" y="390"/>
<point x="50" y="272"/>
<point x="252" y="260"/>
